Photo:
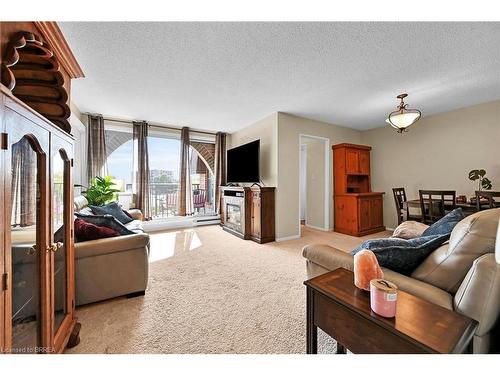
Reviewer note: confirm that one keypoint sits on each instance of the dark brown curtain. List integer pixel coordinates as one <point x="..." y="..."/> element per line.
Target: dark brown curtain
<point x="96" y="147"/>
<point x="185" y="189"/>
<point x="220" y="166"/>
<point x="141" y="161"/>
<point x="24" y="188"/>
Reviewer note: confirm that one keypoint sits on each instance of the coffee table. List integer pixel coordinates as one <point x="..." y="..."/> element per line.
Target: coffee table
<point x="336" y="306"/>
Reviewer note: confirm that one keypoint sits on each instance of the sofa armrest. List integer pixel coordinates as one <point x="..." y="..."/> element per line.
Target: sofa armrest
<point x="331" y="258"/>
<point x="136" y="214"/>
<point x="478" y="297"/>
<point x="111" y="245"/>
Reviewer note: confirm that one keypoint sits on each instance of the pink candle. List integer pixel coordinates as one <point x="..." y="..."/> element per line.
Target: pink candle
<point x="383" y="297"/>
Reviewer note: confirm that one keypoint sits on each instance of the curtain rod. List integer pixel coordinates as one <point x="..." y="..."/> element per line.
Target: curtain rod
<point x="155" y="126"/>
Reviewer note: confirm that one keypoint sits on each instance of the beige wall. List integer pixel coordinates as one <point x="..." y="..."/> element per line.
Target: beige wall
<point x="287" y="197"/>
<point x="315" y="181"/>
<point x="267" y="131"/>
<point x="436" y="153"/>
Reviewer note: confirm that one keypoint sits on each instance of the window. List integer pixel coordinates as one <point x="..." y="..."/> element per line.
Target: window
<point x="164" y="149"/>
<point x="164" y="162"/>
<point x="120" y="156"/>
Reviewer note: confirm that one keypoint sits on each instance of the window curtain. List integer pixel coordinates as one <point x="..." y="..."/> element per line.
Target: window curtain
<point x="96" y="147"/>
<point x="141" y="168"/>
<point x="24" y="184"/>
<point x="220" y="166"/>
<point x="185" y="193"/>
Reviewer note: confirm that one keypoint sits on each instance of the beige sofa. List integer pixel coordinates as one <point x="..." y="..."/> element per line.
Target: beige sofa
<point x="111" y="267"/>
<point x="461" y="275"/>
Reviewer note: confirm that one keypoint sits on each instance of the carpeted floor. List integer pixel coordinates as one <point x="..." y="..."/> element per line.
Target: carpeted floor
<point x="211" y="292"/>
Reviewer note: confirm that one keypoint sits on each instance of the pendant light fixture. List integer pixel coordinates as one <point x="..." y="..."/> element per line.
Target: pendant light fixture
<point x="403" y="117"/>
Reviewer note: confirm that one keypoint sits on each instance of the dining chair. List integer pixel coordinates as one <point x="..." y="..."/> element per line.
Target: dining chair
<point x="402" y="210"/>
<point x="436" y="203"/>
<point x="490" y="196"/>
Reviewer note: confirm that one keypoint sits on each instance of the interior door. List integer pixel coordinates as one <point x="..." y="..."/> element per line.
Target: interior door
<point x="62" y="240"/>
<point x="28" y="295"/>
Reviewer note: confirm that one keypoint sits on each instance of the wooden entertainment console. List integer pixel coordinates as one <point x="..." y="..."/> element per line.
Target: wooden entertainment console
<point x="248" y="212"/>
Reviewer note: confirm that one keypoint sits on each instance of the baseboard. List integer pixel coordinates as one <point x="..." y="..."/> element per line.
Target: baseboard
<point x="317" y="228"/>
<point x="281" y="239"/>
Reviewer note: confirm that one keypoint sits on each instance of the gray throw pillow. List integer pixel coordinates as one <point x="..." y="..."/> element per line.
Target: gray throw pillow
<point x="402" y="255"/>
<point x="112" y="209"/>
<point x="446" y="224"/>
<point x="106" y="221"/>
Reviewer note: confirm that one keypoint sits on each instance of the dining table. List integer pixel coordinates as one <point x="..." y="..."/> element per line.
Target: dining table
<point x="467" y="207"/>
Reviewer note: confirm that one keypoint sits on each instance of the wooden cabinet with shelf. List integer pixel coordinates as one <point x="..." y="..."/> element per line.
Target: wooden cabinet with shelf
<point x="358" y="210"/>
<point x="37" y="298"/>
<point x="248" y="212"/>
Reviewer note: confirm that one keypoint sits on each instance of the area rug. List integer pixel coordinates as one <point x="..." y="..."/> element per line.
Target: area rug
<point x="211" y="292"/>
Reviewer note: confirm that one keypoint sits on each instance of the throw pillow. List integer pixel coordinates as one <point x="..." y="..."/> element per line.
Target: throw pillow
<point x="112" y="209"/>
<point x="105" y="221"/>
<point x="402" y="255"/>
<point x="85" y="231"/>
<point x="446" y="224"/>
<point x="409" y="230"/>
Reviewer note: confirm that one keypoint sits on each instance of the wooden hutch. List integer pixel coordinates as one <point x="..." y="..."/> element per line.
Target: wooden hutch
<point x="37" y="293"/>
<point x="358" y="210"/>
<point x="248" y="212"/>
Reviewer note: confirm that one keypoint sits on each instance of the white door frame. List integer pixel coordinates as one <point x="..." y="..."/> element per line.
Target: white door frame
<point x="326" y="141"/>
<point x="303" y="168"/>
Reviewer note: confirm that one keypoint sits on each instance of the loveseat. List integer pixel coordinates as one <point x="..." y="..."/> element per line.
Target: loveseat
<point x="461" y="275"/>
<point x="111" y="267"/>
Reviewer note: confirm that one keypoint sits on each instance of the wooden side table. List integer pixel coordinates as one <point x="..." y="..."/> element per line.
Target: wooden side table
<point x="343" y="311"/>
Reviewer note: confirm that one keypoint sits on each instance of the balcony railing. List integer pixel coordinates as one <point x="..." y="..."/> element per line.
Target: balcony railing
<point x="164" y="200"/>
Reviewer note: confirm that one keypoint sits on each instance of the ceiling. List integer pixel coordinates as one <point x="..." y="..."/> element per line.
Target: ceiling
<point x="225" y="76"/>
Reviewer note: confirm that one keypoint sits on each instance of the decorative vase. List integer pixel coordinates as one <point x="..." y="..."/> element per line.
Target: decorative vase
<point x="366" y="268"/>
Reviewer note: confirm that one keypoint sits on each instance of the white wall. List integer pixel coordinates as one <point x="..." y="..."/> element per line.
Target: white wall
<point x="78" y="130"/>
<point x="267" y="131"/>
<point x="287" y="196"/>
<point x="436" y="153"/>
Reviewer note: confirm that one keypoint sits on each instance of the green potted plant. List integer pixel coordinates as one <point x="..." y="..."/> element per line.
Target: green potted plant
<point x="100" y="191"/>
<point x="482" y="181"/>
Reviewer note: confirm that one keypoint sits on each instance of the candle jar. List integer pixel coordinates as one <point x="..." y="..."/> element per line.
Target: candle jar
<point x="383" y="297"/>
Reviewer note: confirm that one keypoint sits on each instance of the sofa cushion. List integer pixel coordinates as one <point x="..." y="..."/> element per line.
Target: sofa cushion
<point x="80" y="202"/>
<point x="409" y="229"/>
<point x="402" y="255"/>
<point x="446" y="224"/>
<point x="106" y="221"/>
<point x="85" y="231"/>
<point x="112" y="209"/>
<point x="472" y="237"/>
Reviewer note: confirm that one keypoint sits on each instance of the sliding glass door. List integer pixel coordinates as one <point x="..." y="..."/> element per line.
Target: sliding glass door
<point x="164" y="165"/>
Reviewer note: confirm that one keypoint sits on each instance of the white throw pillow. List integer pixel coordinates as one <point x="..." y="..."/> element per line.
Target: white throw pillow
<point x="409" y="229"/>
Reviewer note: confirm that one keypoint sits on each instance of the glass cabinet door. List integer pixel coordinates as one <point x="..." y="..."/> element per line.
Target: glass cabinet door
<point x="61" y="209"/>
<point x="25" y="242"/>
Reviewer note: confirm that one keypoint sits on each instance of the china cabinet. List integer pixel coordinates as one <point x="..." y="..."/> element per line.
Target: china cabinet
<point x="37" y="294"/>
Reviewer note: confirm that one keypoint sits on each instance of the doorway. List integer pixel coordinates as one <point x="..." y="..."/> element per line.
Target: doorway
<point x="314" y="182"/>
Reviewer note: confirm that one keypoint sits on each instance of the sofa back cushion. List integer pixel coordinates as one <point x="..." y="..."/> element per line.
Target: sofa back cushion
<point x="80" y="202"/>
<point x="472" y="237"/>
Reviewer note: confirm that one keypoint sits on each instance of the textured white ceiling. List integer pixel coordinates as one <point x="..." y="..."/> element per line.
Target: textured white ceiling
<point x="224" y="76"/>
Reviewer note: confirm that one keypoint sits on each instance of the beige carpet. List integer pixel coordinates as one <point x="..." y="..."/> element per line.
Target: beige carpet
<point x="210" y="292"/>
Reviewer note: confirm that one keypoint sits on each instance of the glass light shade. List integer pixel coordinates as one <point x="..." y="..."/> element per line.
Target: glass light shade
<point x="402" y="120"/>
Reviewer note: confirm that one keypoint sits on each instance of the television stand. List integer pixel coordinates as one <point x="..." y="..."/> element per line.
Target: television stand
<point x="248" y="212"/>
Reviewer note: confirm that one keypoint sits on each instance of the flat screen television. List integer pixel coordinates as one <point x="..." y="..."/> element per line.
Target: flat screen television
<point x="243" y="163"/>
